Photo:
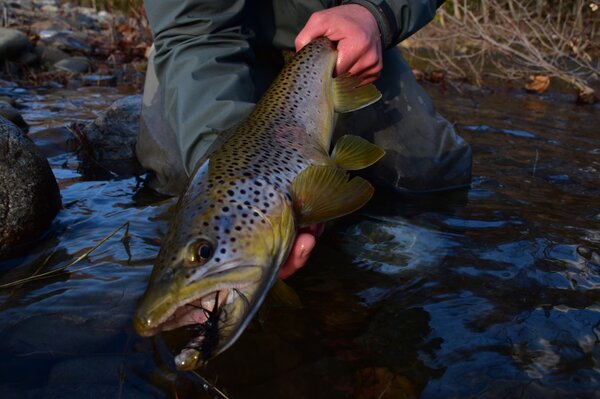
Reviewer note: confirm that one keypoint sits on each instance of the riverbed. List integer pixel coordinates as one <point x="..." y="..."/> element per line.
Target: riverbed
<point x="488" y="292"/>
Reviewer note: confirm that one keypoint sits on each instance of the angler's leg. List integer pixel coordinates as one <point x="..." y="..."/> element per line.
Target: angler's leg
<point x="203" y="67"/>
<point x="423" y="152"/>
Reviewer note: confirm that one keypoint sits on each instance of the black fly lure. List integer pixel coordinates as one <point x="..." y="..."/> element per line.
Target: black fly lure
<point x="208" y="332"/>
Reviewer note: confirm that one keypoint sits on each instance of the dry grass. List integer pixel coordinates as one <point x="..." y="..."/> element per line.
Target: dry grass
<point x="511" y="42"/>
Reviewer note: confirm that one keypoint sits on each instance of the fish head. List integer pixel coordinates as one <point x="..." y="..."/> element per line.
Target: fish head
<point x="221" y="255"/>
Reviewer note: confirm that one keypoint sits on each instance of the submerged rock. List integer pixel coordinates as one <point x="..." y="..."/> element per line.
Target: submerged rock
<point x="12" y="43"/>
<point x="112" y="136"/>
<point x="29" y="195"/>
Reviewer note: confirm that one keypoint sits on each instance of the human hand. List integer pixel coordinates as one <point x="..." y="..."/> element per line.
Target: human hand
<point x="355" y="30"/>
<point x="301" y="249"/>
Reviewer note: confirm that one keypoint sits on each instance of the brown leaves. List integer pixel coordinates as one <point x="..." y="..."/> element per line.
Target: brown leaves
<point x="537" y="83"/>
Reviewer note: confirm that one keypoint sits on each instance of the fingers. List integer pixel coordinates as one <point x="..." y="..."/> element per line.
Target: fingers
<point x="363" y="60"/>
<point x="314" y="28"/>
<point x="303" y="246"/>
<point x="355" y="30"/>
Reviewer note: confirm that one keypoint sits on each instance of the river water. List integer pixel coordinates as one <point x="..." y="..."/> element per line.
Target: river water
<point x="488" y="292"/>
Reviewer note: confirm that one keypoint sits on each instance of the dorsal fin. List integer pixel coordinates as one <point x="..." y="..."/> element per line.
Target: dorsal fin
<point x="348" y="97"/>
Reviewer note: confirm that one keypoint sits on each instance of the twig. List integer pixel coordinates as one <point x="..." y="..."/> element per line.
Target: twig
<point x="515" y="42"/>
<point x="208" y="385"/>
<point x="62" y="269"/>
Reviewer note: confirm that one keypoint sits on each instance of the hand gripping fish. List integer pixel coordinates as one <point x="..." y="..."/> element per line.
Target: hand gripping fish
<point x="236" y="222"/>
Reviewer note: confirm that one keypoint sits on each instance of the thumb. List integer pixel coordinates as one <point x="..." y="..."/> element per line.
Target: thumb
<point x="311" y="31"/>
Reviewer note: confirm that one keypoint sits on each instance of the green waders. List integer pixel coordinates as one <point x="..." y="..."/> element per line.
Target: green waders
<point x="214" y="59"/>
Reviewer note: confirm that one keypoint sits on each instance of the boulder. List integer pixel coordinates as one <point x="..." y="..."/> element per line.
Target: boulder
<point x="112" y="136"/>
<point x="9" y="112"/>
<point x="29" y="195"/>
<point x="12" y="43"/>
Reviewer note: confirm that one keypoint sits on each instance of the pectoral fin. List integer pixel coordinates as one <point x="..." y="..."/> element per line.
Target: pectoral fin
<point x="321" y="193"/>
<point x="348" y="97"/>
<point x="354" y="153"/>
<point x="282" y="294"/>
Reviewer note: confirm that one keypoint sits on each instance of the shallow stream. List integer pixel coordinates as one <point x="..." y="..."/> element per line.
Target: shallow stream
<point x="488" y="292"/>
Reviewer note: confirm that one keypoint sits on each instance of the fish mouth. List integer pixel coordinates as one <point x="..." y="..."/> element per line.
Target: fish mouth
<point x="193" y="311"/>
<point x="215" y="310"/>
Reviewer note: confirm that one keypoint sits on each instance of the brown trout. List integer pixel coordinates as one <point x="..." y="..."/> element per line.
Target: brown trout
<point x="236" y="222"/>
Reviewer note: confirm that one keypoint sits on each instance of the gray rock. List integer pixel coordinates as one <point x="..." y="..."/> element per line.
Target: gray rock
<point x="9" y="112"/>
<point x="29" y="195"/>
<point x="12" y="43"/>
<point x="46" y="25"/>
<point x="9" y="100"/>
<point x="99" y="80"/>
<point x="55" y="141"/>
<point x="84" y="18"/>
<point x="74" y="64"/>
<point x="68" y="41"/>
<point x="113" y="134"/>
<point x="50" y="55"/>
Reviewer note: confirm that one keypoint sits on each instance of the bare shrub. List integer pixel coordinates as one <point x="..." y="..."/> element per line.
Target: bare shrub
<point x="512" y="40"/>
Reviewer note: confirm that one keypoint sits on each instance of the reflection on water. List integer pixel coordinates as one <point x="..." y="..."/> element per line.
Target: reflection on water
<point x="491" y="292"/>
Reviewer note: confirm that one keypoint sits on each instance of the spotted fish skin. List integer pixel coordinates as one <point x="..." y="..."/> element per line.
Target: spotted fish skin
<point x="236" y="222"/>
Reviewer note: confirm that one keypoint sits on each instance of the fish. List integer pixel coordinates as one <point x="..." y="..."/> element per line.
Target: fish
<point x="236" y="221"/>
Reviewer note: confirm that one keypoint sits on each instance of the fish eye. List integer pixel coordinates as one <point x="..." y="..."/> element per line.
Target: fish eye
<point x="200" y="252"/>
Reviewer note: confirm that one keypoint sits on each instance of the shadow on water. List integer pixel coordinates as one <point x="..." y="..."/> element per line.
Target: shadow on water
<point x="488" y="292"/>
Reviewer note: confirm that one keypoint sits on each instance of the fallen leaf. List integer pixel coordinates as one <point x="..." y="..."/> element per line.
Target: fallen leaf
<point x="419" y="75"/>
<point x="437" y="76"/>
<point x="537" y="83"/>
<point x="586" y="95"/>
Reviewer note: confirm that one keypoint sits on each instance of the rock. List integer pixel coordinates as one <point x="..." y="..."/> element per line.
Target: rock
<point x="9" y="100"/>
<point x="55" y="141"/>
<point x="7" y="84"/>
<point x="62" y="333"/>
<point x="9" y="112"/>
<point x="99" y="80"/>
<point x="66" y="40"/>
<point x="49" y="9"/>
<point x="43" y="26"/>
<point x="29" y="58"/>
<point x="74" y="64"/>
<point x="84" y="18"/>
<point x="50" y="55"/>
<point x="112" y="136"/>
<point x="12" y="43"/>
<point x="29" y="195"/>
